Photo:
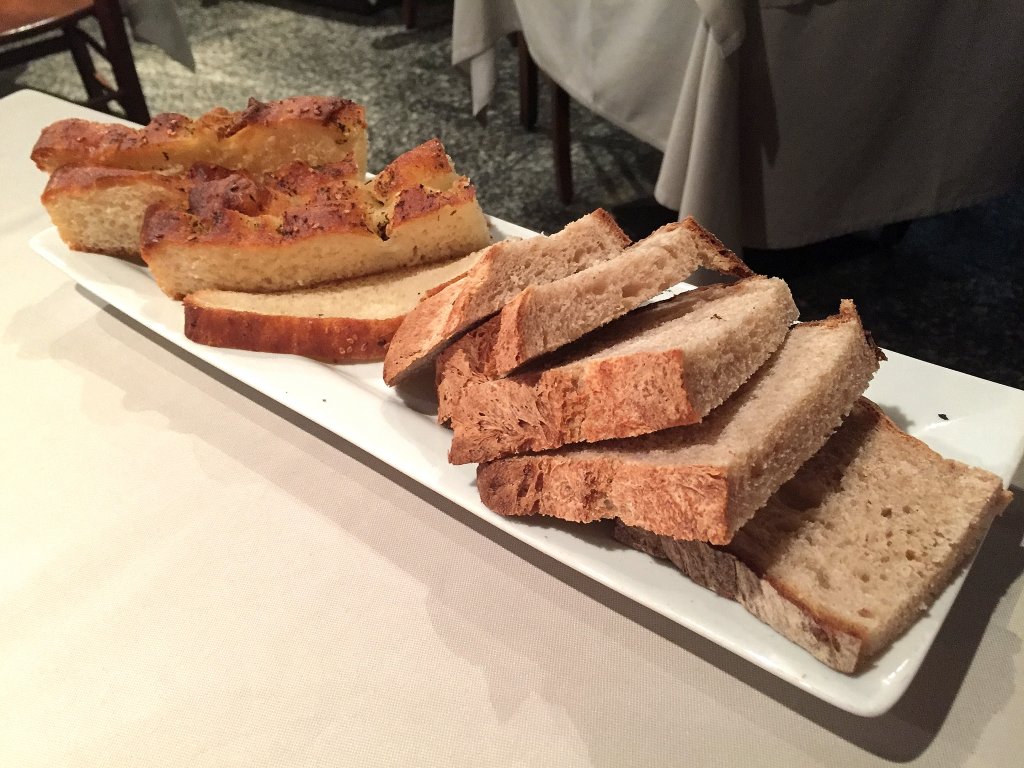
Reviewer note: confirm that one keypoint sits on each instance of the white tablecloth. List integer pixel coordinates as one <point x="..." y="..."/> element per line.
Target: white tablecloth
<point x="791" y="122"/>
<point x="192" y="576"/>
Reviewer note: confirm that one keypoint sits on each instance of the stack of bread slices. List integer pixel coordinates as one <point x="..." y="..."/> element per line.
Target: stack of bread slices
<point x="710" y="426"/>
<point x="714" y="430"/>
<point x="263" y="221"/>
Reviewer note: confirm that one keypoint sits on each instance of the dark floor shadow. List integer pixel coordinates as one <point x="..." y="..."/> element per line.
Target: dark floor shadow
<point x="359" y="13"/>
<point x="418" y="391"/>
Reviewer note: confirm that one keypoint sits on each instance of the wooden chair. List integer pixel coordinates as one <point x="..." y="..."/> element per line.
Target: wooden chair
<point x="32" y="29"/>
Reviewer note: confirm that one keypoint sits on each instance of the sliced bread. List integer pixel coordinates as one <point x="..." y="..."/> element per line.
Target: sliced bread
<point x="705" y="480"/>
<point x="665" y="365"/>
<point x="545" y="317"/>
<point x="346" y="322"/>
<point x="100" y="210"/>
<point x="309" y="226"/>
<point x="847" y="554"/>
<point x="505" y="269"/>
<point x="260" y="138"/>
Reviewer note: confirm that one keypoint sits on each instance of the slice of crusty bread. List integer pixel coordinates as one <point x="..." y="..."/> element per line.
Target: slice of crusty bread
<point x="350" y="321"/>
<point x="545" y="317"/>
<point x="665" y="365"/>
<point x="100" y="209"/>
<point x="847" y="554"/>
<point x="705" y="480"/>
<point x="260" y="138"/>
<point x="307" y="226"/>
<point x="505" y="269"/>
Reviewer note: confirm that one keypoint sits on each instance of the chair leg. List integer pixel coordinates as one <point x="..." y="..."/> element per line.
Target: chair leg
<point x="561" y="142"/>
<point x="527" y="84"/>
<point x="409" y="9"/>
<point x="119" y="52"/>
<point x="84" y="63"/>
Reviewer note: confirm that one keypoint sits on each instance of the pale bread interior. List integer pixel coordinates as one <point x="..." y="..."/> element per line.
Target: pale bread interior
<point x="870" y="528"/>
<point x="381" y="296"/>
<point x="108" y="219"/>
<point x="665" y="365"/>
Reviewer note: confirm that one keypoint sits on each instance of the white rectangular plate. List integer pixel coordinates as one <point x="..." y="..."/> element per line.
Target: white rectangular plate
<point x="982" y="426"/>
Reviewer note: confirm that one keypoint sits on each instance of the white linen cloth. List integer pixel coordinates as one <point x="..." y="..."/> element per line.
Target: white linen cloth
<point x="784" y="123"/>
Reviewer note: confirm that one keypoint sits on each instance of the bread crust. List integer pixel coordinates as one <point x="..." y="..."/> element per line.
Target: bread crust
<point x="763" y="455"/>
<point x="690" y="501"/>
<point x="77" y="179"/>
<point x="814" y="622"/>
<point x="722" y="573"/>
<point x="723" y="261"/>
<point x="344" y="322"/>
<point x="304" y="226"/>
<point x="328" y="339"/>
<point x="426" y="165"/>
<point x="443" y="317"/>
<point x="615" y="396"/>
<point x="323" y="129"/>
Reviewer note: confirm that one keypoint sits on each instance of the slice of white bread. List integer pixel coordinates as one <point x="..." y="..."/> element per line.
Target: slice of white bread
<point x="346" y="322"/>
<point x="308" y="226"/>
<point x="505" y="269"/>
<point x="258" y="139"/>
<point x="100" y="209"/>
<point x="544" y="317"/>
<point x="852" y="550"/>
<point x="705" y="480"/>
<point x="662" y="366"/>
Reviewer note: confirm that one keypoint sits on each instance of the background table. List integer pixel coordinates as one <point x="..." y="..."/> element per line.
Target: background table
<point x="783" y="122"/>
<point x="190" y="575"/>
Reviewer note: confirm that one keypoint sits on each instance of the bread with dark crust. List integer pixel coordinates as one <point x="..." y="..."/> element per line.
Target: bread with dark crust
<point x="544" y="317"/>
<point x="259" y="138"/>
<point x="702" y="481"/>
<point x="850" y="552"/>
<point x="308" y="226"/>
<point x="504" y="270"/>
<point x="662" y="366"/>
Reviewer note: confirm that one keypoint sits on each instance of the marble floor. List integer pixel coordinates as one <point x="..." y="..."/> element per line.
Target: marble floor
<point x="950" y="291"/>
